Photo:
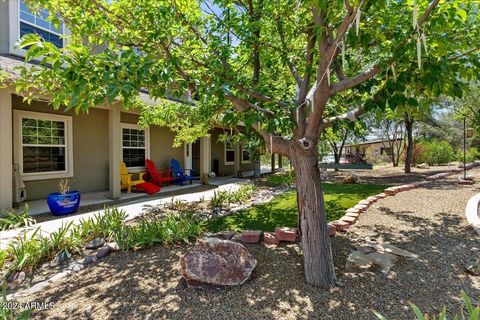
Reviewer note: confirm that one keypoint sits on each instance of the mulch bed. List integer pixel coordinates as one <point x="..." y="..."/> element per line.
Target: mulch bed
<point x="428" y="221"/>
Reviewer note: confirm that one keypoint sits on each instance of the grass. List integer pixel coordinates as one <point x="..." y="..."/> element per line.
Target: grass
<point x="13" y="220"/>
<point x="282" y="210"/>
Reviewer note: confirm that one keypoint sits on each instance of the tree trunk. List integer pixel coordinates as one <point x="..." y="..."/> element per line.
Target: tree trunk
<point x="317" y="251"/>
<point x="409" y="157"/>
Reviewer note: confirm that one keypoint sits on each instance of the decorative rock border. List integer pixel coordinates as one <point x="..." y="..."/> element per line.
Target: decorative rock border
<point x="472" y="212"/>
<point x="352" y="214"/>
<point x="74" y="266"/>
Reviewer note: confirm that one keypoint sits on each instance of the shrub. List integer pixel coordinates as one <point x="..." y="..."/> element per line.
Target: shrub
<point x="472" y="313"/>
<point x="472" y="155"/>
<point x="172" y="229"/>
<point x="418" y="155"/>
<point x="279" y="180"/>
<point x="437" y="152"/>
<point x="13" y="220"/>
<point x="241" y="195"/>
<point x="28" y="252"/>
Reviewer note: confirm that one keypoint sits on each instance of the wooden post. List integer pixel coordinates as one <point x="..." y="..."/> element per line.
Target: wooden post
<point x="6" y="152"/>
<point x="115" y="150"/>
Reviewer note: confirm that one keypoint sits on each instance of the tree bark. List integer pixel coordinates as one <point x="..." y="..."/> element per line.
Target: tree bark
<point x="317" y="251"/>
<point x="409" y="157"/>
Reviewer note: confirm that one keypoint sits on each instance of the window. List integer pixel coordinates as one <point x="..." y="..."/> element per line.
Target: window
<point x="246" y="156"/>
<point x="37" y="23"/>
<point x="134" y="145"/>
<point x="229" y="153"/>
<point x="44" y="145"/>
<point x="386" y="151"/>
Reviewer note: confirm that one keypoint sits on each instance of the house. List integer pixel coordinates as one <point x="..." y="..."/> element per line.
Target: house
<point x="356" y="152"/>
<point x="46" y="145"/>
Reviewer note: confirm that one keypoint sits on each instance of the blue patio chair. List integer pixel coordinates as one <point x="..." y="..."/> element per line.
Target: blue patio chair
<point x="180" y="175"/>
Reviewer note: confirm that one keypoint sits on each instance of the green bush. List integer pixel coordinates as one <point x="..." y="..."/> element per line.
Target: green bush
<point x="472" y="313"/>
<point x="472" y="155"/>
<point x="175" y="228"/>
<point x="279" y="180"/>
<point x="29" y="252"/>
<point x="13" y="220"/>
<point x="241" y="195"/>
<point x="436" y="152"/>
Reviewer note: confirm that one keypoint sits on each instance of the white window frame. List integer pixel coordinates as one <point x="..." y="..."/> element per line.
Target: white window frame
<point x="147" y="144"/>
<point x="18" y="144"/>
<point x="228" y="163"/>
<point x="249" y="156"/>
<point x="14" y="28"/>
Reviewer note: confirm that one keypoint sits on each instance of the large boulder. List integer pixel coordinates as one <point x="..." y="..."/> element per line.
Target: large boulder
<point x="217" y="263"/>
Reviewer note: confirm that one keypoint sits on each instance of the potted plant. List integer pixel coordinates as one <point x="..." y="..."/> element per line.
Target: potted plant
<point x="65" y="201"/>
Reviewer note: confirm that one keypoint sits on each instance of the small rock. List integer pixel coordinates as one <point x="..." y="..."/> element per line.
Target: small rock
<point x="59" y="276"/>
<point x="251" y="236"/>
<point x="286" y="234"/>
<point x="237" y="237"/>
<point x="225" y="235"/>
<point x="17" y="277"/>
<point x="61" y="258"/>
<point x="270" y="238"/>
<point x="76" y="266"/>
<point x="340" y="225"/>
<point x="104" y="252"/>
<point x="358" y="259"/>
<point x="113" y="245"/>
<point x="95" y="243"/>
<point x="38" y="287"/>
<point x="423" y="166"/>
<point x="331" y="230"/>
<point x="89" y="260"/>
<point x="474" y="269"/>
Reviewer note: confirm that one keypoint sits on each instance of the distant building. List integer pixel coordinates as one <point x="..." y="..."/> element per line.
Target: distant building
<point x="356" y="152"/>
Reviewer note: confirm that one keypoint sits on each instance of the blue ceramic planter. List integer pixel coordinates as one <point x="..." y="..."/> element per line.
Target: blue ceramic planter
<point x="63" y="204"/>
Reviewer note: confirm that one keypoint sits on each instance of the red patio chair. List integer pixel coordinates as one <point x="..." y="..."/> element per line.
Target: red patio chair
<point x="153" y="175"/>
<point x="168" y="177"/>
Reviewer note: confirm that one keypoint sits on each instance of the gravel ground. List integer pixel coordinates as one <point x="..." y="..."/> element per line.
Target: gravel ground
<point x="428" y="221"/>
<point x="388" y="174"/>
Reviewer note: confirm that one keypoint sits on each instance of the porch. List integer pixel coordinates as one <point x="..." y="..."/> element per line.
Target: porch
<point x="98" y="200"/>
<point x="94" y="145"/>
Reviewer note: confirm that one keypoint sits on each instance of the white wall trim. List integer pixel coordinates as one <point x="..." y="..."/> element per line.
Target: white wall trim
<point x="18" y="115"/>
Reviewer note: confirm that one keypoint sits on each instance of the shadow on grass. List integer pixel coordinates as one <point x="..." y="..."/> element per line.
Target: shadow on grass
<point x="282" y="210"/>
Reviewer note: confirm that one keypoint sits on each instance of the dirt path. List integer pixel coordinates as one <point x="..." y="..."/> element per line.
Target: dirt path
<point x="428" y="221"/>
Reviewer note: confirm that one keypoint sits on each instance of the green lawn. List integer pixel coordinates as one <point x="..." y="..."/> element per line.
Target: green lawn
<point x="282" y="210"/>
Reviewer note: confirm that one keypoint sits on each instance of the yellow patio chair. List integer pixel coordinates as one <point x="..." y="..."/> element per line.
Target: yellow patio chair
<point x="126" y="178"/>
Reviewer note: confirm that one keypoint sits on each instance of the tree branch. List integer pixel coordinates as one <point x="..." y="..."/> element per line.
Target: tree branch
<point x="351" y="115"/>
<point x="352" y="82"/>
<point x="243" y="105"/>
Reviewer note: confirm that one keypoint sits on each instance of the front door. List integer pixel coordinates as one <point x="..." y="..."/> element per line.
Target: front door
<point x="196" y="158"/>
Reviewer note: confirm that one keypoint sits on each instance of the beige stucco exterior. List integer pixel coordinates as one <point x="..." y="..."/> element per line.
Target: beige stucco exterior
<point x="218" y="152"/>
<point x="90" y="150"/>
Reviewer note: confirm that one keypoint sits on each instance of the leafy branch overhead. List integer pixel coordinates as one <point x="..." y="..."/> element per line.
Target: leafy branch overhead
<point x="277" y="66"/>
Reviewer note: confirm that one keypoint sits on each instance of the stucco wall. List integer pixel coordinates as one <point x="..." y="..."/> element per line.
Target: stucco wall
<point x="161" y="139"/>
<point x="218" y="152"/>
<point x="90" y="151"/>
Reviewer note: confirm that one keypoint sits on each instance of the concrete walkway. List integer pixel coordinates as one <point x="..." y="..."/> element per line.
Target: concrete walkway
<point x="132" y="209"/>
